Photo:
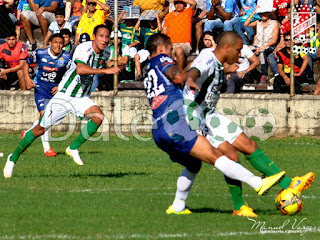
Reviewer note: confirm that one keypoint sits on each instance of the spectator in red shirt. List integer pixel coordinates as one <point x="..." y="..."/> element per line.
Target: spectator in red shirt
<point x="14" y="54"/>
<point x="280" y="9"/>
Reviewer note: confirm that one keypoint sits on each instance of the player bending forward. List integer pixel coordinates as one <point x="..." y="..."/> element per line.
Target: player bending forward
<point x="201" y="93"/>
<point x="73" y="97"/>
<point x="172" y="133"/>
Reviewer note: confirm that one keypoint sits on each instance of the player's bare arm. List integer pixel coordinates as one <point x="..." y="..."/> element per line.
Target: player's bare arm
<point x="83" y="69"/>
<point x="175" y="74"/>
<point x="191" y="78"/>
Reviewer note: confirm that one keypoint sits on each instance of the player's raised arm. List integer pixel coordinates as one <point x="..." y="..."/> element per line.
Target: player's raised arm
<point x="191" y="78"/>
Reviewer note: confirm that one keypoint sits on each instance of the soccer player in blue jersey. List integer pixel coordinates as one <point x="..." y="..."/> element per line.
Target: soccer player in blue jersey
<point x="172" y="133"/>
<point x="73" y="96"/>
<point x="52" y="64"/>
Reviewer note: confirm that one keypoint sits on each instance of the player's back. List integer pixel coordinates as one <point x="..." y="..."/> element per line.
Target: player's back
<point x="161" y="92"/>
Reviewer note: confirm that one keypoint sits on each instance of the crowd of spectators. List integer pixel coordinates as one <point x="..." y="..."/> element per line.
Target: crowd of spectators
<point x="191" y="24"/>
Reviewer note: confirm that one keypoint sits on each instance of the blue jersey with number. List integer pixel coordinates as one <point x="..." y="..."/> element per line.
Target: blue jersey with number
<point x="161" y="92"/>
<point x="50" y="70"/>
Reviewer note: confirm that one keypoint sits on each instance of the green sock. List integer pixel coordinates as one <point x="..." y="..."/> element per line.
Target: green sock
<point x="235" y="189"/>
<point x="23" y="145"/>
<point x="89" y="129"/>
<point x="263" y="164"/>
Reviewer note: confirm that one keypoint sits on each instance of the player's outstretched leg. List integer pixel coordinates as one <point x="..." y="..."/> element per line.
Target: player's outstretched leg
<point x="29" y="137"/>
<point x="89" y="129"/>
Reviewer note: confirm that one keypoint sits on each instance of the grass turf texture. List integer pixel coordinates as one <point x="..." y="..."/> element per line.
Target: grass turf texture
<point x="124" y="188"/>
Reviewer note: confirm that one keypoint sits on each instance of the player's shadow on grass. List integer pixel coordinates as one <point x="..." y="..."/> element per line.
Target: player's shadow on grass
<point x="208" y="210"/>
<point x="107" y="175"/>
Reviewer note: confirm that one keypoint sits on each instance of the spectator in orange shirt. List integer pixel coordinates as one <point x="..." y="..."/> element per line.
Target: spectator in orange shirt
<point x="14" y="54"/>
<point x="178" y="26"/>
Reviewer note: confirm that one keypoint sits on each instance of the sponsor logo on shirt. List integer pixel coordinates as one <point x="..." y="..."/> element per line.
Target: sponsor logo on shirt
<point x="50" y="69"/>
<point x="158" y="100"/>
<point x="44" y="60"/>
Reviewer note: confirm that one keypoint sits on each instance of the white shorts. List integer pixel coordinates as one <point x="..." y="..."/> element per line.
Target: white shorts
<point x="61" y="105"/>
<point x="133" y="52"/>
<point x="144" y="54"/>
<point x="218" y="129"/>
<point x="32" y="17"/>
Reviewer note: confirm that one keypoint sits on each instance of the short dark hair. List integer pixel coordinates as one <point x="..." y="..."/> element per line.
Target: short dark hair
<point x="96" y="29"/>
<point x="60" y="11"/>
<point x="65" y="31"/>
<point x="228" y="37"/>
<point x="56" y="35"/>
<point x="11" y="34"/>
<point x="286" y="34"/>
<point x="155" y="40"/>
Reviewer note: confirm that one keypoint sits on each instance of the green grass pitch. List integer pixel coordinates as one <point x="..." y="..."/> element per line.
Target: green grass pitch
<point x="124" y="188"/>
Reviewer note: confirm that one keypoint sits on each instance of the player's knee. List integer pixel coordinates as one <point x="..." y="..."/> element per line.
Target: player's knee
<point x="179" y="51"/>
<point x="233" y="156"/>
<point x="98" y="119"/>
<point x="38" y="131"/>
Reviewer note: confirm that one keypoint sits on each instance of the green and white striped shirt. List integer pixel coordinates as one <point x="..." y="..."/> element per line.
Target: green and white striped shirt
<point x="76" y="85"/>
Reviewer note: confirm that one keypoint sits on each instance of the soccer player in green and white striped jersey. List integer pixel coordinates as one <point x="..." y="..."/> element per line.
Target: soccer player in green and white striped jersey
<point x="73" y="97"/>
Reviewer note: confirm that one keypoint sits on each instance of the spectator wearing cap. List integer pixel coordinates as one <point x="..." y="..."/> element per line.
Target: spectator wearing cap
<point x="152" y="26"/>
<point x="41" y="14"/>
<point x="57" y="26"/>
<point x="92" y="18"/>
<point x="84" y="37"/>
<point x="178" y="26"/>
<point x="266" y="38"/>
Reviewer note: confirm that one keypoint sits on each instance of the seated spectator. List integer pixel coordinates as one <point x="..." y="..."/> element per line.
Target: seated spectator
<point x="301" y="69"/>
<point x="129" y="33"/>
<point x="247" y="62"/>
<point x="92" y="18"/>
<point x="265" y="40"/>
<point x="6" y="24"/>
<point x="14" y="54"/>
<point x="68" y="45"/>
<point x="224" y="15"/>
<point x="178" y="26"/>
<point x="197" y="21"/>
<point x="41" y="14"/>
<point x="73" y="13"/>
<point x="153" y="25"/>
<point x="23" y="6"/>
<point x="207" y="41"/>
<point x="57" y="26"/>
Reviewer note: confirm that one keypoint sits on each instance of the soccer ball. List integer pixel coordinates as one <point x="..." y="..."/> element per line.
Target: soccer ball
<point x="259" y="124"/>
<point x="305" y="50"/>
<point x="312" y="50"/>
<point x="296" y="49"/>
<point x="302" y="38"/>
<point x="289" y="201"/>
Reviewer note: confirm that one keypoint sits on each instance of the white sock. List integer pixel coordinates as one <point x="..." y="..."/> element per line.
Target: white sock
<point x="45" y="141"/>
<point x="236" y="171"/>
<point x="184" y="185"/>
<point x="36" y="122"/>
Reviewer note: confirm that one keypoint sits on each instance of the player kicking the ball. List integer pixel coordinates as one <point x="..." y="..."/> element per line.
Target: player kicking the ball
<point x="172" y="133"/>
<point x="74" y="97"/>
<point x="201" y="93"/>
<point x="52" y="64"/>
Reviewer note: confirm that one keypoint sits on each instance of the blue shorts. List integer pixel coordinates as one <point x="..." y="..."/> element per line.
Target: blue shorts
<point x="173" y="133"/>
<point x="41" y="100"/>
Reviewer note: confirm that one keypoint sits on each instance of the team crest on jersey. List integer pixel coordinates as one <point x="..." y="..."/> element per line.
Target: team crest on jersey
<point x="158" y="100"/>
<point x="60" y="62"/>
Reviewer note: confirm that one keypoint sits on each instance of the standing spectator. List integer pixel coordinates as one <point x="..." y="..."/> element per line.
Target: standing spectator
<point x="57" y="26"/>
<point x="6" y="25"/>
<point x="41" y="14"/>
<point x="14" y="54"/>
<point x="92" y="18"/>
<point x="301" y="69"/>
<point x="265" y="41"/>
<point x="248" y="62"/>
<point x="178" y="26"/>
